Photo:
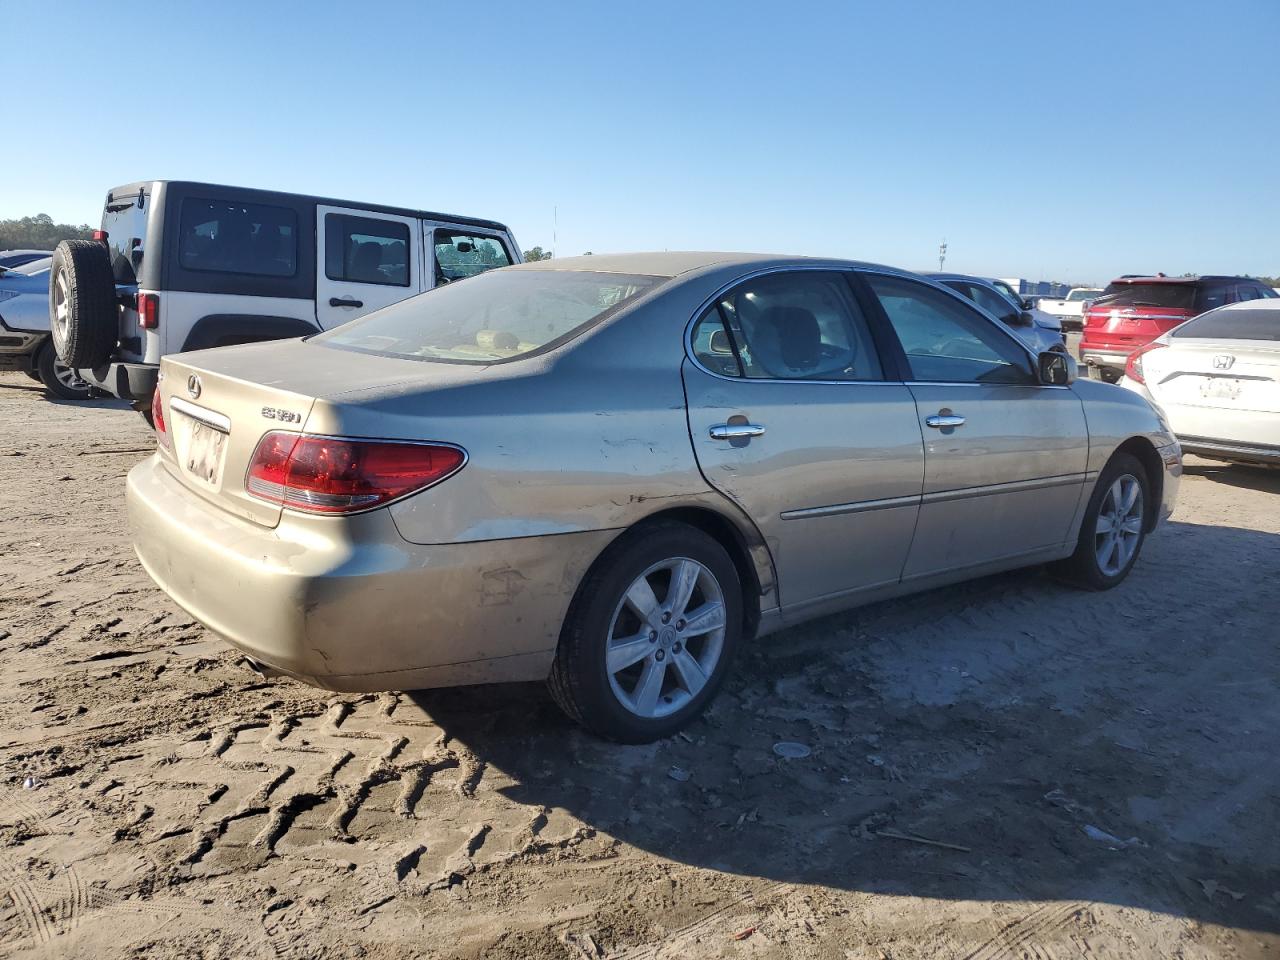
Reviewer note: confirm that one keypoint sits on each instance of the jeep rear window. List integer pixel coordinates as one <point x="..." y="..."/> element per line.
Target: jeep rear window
<point x="1180" y="296"/>
<point x="493" y="317"/>
<point x="1233" y="324"/>
<point x="229" y="237"/>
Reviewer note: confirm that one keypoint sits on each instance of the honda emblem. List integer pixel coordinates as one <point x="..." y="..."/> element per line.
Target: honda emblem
<point x="1223" y="361"/>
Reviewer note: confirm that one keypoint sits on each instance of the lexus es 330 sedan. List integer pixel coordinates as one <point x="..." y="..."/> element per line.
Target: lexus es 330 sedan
<point x="609" y="472"/>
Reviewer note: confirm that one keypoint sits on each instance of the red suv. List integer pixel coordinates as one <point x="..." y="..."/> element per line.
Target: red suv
<point x="1133" y="311"/>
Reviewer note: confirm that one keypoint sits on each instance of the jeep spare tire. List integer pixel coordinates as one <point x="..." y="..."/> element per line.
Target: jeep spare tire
<point x="82" y="303"/>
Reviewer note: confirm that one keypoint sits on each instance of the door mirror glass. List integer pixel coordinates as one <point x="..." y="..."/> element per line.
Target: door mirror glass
<point x="1026" y="319"/>
<point x="1057" y="369"/>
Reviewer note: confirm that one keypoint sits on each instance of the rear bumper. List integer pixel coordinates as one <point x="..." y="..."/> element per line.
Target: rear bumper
<point x="1171" y="457"/>
<point x="128" y="381"/>
<point x="1229" y="450"/>
<point x="348" y="604"/>
<point x="1103" y="357"/>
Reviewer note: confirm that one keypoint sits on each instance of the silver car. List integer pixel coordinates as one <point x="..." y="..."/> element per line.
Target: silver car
<point x="1039" y="330"/>
<point x="609" y="472"/>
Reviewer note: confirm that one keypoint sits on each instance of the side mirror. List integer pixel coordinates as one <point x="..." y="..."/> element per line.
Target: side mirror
<point x="1026" y="303"/>
<point x="1057" y="369"/>
<point x="1026" y="319"/>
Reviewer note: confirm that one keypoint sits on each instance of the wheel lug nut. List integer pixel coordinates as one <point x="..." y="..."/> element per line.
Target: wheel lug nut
<point x="660" y="655"/>
<point x="679" y="624"/>
<point x="653" y="636"/>
<point x="675" y="647"/>
<point x="666" y="618"/>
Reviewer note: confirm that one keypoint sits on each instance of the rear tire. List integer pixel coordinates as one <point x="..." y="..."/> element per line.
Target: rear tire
<point x="58" y="378"/>
<point x="83" y="317"/>
<point x="637" y="677"/>
<point x="1114" y="527"/>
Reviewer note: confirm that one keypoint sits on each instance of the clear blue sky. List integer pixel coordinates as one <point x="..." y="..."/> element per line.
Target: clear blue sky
<point x="1072" y="141"/>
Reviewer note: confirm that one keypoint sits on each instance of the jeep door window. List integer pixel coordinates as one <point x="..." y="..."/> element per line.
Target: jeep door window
<point x="223" y="236"/>
<point x="460" y="255"/>
<point x="366" y="250"/>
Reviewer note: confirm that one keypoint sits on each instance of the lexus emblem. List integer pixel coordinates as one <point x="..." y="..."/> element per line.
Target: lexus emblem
<point x="193" y="386"/>
<point x="1223" y="361"/>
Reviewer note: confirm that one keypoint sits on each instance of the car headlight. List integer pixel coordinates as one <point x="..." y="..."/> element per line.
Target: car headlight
<point x="8" y="295"/>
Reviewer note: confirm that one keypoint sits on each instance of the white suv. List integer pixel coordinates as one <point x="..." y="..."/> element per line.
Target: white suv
<point x="184" y="266"/>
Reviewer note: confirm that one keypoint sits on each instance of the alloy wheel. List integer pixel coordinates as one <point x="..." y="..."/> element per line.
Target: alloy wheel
<point x="1119" y="526"/>
<point x="666" y="637"/>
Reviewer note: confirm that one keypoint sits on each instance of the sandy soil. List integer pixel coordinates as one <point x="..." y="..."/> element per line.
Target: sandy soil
<point x="157" y="800"/>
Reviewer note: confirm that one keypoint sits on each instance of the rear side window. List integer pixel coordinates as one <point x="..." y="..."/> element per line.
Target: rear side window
<point x="1234" y="323"/>
<point x="1181" y="296"/>
<point x="794" y="326"/>
<point x="1211" y="296"/>
<point x="460" y="255"/>
<point x="366" y="250"/>
<point x="228" y="237"/>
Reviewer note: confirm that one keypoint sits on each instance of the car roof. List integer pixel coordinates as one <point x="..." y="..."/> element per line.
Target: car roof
<point x="260" y="194"/>
<point x="1198" y="279"/>
<point x="1268" y="303"/>
<point x="673" y="263"/>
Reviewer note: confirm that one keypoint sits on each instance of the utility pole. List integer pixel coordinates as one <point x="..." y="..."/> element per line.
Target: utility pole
<point x="942" y="254"/>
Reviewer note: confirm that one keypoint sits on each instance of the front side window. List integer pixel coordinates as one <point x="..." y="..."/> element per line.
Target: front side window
<point x="461" y="255"/>
<point x="366" y="250"/>
<point x="795" y="326"/>
<point x="224" y="236"/>
<point x="498" y="316"/>
<point x="944" y="340"/>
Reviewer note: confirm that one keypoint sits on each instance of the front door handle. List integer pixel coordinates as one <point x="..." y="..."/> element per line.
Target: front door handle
<point x="736" y="431"/>
<point x="941" y="421"/>
<point x="345" y="302"/>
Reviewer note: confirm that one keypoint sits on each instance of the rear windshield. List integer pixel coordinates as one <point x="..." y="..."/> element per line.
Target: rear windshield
<point x="1233" y="324"/>
<point x="496" y="316"/>
<point x="1181" y="296"/>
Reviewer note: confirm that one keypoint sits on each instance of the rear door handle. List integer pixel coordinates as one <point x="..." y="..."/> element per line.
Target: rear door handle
<point x="943" y="420"/>
<point x="345" y="302"/>
<point x="736" y="431"/>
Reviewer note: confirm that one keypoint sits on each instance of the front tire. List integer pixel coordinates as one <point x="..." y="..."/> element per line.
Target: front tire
<point x="650" y="635"/>
<point x="59" y="379"/>
<point x="1114" y="526"/>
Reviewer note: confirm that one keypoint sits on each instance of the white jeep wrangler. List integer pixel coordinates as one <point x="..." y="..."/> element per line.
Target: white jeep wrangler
<point x="184" y="266"/>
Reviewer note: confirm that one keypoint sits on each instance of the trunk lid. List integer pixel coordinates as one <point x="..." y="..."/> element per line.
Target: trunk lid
<point x="241" y="393"/>
<point x="1216" y="376"/>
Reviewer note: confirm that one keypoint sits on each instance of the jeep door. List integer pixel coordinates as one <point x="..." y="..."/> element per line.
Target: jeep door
<point x="366" y="261"/>
<point x="458" y="251"/>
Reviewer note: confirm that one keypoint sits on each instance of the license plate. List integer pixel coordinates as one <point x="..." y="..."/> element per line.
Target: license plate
<point x="204" y="452"/>
<point x="1219" y="388"/>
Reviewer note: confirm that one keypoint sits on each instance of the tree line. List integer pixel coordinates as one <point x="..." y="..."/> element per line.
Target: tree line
<point x="39" y="233"/>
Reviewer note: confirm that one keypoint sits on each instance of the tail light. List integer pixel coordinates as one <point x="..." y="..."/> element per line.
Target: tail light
<point x="100" y="236"/>
<point x="337" y="475"/>
<point x="1133" y="366"/>
<point x="148" y="311"/>
<point x="157" y="419"/>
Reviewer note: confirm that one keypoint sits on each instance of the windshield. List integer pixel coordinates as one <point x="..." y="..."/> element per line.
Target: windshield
<point x="496" y="316"/>
<point x="1180" y="296"/>
<point x="1233" y="324"/>
<point x="1076" y="295"/>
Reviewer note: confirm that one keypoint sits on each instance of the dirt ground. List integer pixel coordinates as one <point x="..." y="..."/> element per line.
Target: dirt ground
<point x="1099" y="771"/>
